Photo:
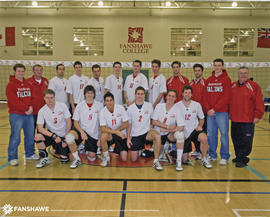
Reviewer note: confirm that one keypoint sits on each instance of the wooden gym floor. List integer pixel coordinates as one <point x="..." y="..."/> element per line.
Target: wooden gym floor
<point x="223" y="191"/>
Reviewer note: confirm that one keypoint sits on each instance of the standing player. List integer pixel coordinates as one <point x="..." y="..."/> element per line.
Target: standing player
<point x="139" y="128"/>
<point x="177" y="81"/>
<point x="19" y="98"/>
<point x="114" y="83"/>
<point x="113" y="125"/>
<point x="157" y="85"/>
<point x="59" y="85"/>
<point x="133" y="81"/>
<point x="75" y="86"/>
<point x="168" y="121"/>
<point x="194" y="119"/>
<point x="86" y="123"/>
<point x="97" y="82"/>
<point x="57" y="119"/>
<point x="38" y="85"/>
<point x="246" y="110"/>
<point x="216" y="101"/>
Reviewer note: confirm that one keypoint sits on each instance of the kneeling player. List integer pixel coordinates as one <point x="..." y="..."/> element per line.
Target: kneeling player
<point x="168" y="121"/>
<point x="86" y="123"/>
<point x="57" y="118"/>
<point x="139" y="130"/>
<point x="192" y="111"/>
<point x="113" y="125"/>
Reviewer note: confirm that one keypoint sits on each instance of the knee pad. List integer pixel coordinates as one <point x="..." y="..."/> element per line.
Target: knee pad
<point x="70" y="138"/>
<point x="64" y="151"/>
<point x="179" y="136"/>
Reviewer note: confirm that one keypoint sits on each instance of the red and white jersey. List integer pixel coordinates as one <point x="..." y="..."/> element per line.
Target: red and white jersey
<point x="171" y="117"/>
<point x="115" y="86"/>
<point x="59" y="86"/>
<point x="191" y="116"/>
<point x="88" y="117"/>
<point x="140" y="119"/>
<point x="113" y="120"/>
<point x="99" y="87"/>
<point x="132" y="82"/>
<point x="157" y="85"/>
<point x="75" y="86"/>
<point x="55" y="119"/>
<point x="177" y="83"/>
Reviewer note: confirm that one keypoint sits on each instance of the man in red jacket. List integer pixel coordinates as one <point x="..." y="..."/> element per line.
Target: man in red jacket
<point x="216" y="100"/>
<point x="38" y="85"/>
<point x="19" y="97"/>
<point x="246" y="110"/>
<point x="177" y="81"/>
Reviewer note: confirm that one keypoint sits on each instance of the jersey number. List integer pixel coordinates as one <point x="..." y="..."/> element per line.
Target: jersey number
<point x="187" y="117"/>
<point x="55" y="120"/>
<point x="113" y="122"/>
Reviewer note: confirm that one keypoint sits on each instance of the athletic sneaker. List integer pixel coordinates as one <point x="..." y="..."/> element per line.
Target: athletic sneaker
<point x="33" y="157"/>
<point x="223" y="162"/>
<point x="43" y="162"/>
<point x="91" y="158"/>
<point x="211" y="158"/>
<point x="157" y="166"/>
<point x="105" y="162"/>
<point x="206" y="163"/>
<point x="195" y="153"/>
<point x="179" y="166"/>
<point x="13" y="162"/>
<point x="235" y="160"/>
<point x="75" y="163"/>
<point x="240" y="164"/>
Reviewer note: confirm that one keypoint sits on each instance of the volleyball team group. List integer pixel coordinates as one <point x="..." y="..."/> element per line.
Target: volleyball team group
<point x="88" y="113"/>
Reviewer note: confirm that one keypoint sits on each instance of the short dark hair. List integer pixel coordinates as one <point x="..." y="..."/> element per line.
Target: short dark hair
<point x="108" y="94"/>
<point x="138" y="61"/>
<point x="117" y="63"/>
<point x="18" y="65"/>
<point x="89" y="88"/>
<point x="139" y="88"/>
<point x="176" y="62"/>
<point x="36" y="65"/>
<point x="172" y="90"/>
<point x="60" y="64"/>
<point x="187" y="88"/>
<point x="156" y="62"/>
<point x="243" y="67"/>
<point x="197" y="65"/>
<point x="77" y="63"/>
<point x="95" y="66"/>
<point x="219" y="60"/>
<point x="48" y="91"/>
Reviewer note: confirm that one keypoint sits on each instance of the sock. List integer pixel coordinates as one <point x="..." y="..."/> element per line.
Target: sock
<point x="75" y="155"/>
<point x="161" y="154"/>
<point x="106" y="154"/>
<point x="179" y="154"/>
<point x="155" y="160"/>
<point x="42" y="153"/>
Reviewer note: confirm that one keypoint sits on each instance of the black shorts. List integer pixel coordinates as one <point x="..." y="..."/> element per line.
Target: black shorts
<point x="89" y="145"/>
<point x="120" y="144"/>
<point x="138" y="142"/>
<point x="193" y="137"/>
<point x="56" y="146"/>
<point x="164" y="139"/>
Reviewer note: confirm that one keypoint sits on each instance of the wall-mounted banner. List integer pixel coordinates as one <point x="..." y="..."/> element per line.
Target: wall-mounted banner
<point x="135" y="42"/>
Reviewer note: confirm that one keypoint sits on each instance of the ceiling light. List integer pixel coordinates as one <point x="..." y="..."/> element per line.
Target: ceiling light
<point x="87" y="48"/>
<point x="81" y="44"/>
<point x="193" y="40"/>
<point x="168" y="4"/>
<point x="75" y="39"/>
<point x="232" y="40"/>
<point x="234" y="4"/>
<point x="100" y="3"/>
<point x="34" y="3"/>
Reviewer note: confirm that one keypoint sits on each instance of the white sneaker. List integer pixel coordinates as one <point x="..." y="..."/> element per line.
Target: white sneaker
<point x="33" y="157"/>
<point x="13" y="162"/>
<point x="75" y="163"/>
<point x="223" y="162"/>
<point x="206" y="163"/>
<point x="195" y="153"/>
<point x="157" y="166"/>
<point x="91" y="158"/>
<point x="43" y="162"/>
<point x="105" y="162"/>
<point x="179" y="166"/>
<point x="81" y="148"/>
<point x="211" y="158"/>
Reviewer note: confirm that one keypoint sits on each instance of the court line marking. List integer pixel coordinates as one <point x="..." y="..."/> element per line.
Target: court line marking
<point x="259" y="158"/>
<point x="3" y="166"/>
<point x="257" y="173"/>
<point x="235" y="211"/>
<point x="262" y="128"/>
<point x="136" y="192"/>
<point x="104" y="210"/>
<point x="123" y="200"/>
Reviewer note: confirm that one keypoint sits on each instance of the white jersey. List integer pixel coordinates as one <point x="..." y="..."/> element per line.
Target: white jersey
<point x="99" y="87"/>
<point x="140" y="119"/>
<point x="76" y="86"/>
<point x="113" y="120"/>
<point x="55" y="119"/>
<point x="191" y="116"/>
<point x="157" y="85"/>
<point x="132" y="83"/>
<point x="88" y="117"/>
<point x="171" y="117"/>
<point x="59" y="86"/>
<point x="115" y="86"/>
